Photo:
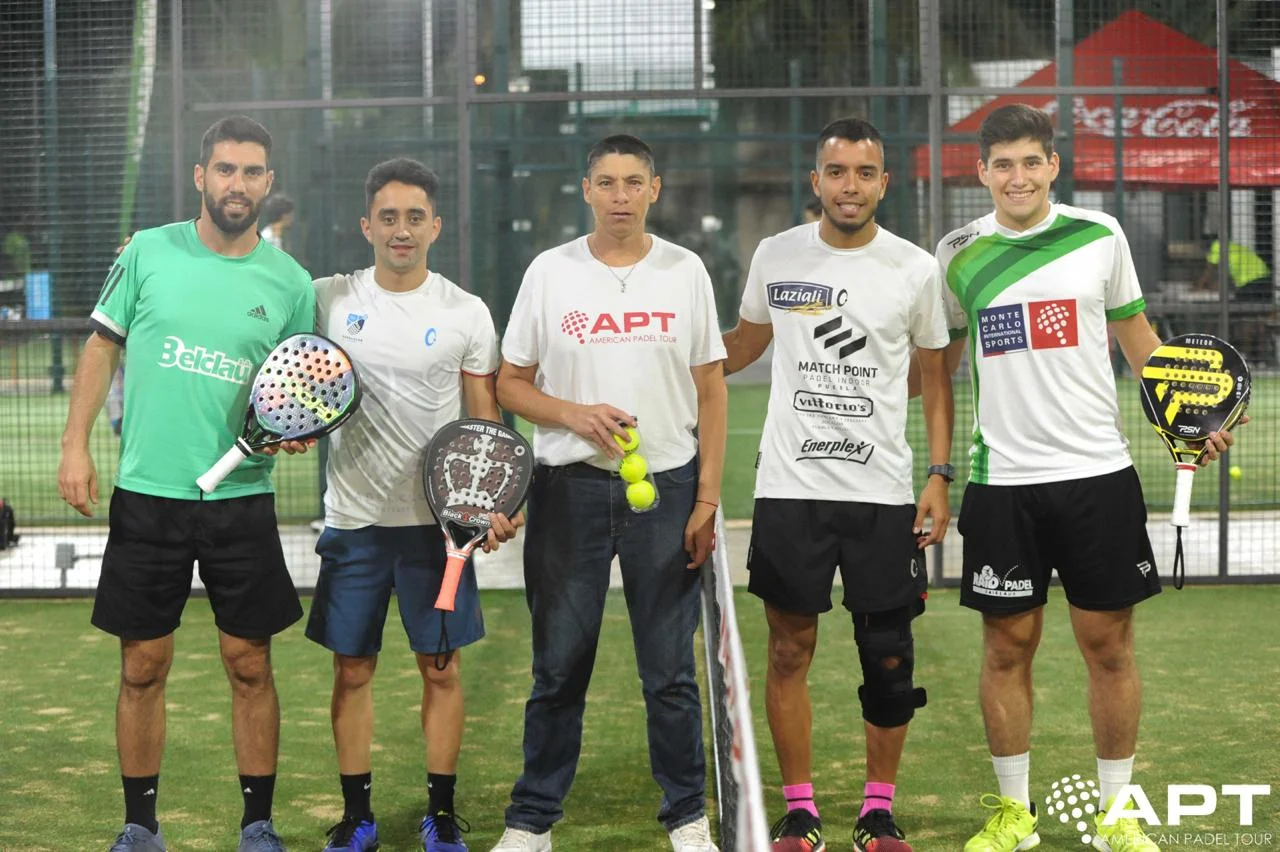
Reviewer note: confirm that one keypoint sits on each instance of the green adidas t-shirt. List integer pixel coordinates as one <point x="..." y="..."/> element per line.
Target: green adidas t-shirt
<point x="195" y="325"/>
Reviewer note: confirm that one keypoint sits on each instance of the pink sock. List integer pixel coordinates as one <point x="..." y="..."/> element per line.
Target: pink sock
<point x="878" y="797"/>
<point x="800" y="796"/>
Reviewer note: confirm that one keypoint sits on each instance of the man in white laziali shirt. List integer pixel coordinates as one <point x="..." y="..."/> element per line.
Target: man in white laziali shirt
<point x="845" y="302"/>
<point x="615" y="328"/>
<point x="424" y="348"/>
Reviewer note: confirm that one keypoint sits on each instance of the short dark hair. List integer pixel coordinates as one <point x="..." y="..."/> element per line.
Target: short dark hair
<point x="850" y="129"/>
<point x="814" y="207"/>
<point x="276" y="207"/>
<point x="621" y="143"/>
<point x="401" y="170"/>
<point x="1013" y="122"/>
<point x="233" y="128"/>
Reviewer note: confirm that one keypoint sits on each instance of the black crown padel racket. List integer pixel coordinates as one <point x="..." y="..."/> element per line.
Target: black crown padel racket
<point x="306" y="387"/>
<point x="473" y="468"/>
<point x="1192" y="385"/>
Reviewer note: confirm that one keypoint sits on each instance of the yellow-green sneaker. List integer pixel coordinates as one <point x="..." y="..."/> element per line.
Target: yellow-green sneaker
<point x="1012" y="828"/>
<point x="1125" y="836"/>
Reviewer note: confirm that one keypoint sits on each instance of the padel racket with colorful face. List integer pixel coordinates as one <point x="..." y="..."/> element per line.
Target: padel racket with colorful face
<point x="306" y="387"/>
<point x="1192" y="385"/>
<point x="473" y="468"/>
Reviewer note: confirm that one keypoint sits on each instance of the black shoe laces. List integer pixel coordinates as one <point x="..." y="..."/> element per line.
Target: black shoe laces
<point x="448" y="825"/>
<point x="340" y="835"/>
<point x="880" y="824"/>
<point x="794" y="823"/>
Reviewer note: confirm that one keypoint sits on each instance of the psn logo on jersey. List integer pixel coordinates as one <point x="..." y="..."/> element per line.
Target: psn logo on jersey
<point x="430" y="338"/>
<point x="801" y="297"/>
<point x="355" y="322"/>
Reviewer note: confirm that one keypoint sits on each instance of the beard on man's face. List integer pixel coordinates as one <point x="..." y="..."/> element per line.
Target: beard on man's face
<point x="229" y="225"/>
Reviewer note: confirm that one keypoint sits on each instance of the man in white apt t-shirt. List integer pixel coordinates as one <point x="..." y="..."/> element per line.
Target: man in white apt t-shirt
<point x="616" y="328"/>
<point x="424" y="348"/>
<point x="845" y="302"/>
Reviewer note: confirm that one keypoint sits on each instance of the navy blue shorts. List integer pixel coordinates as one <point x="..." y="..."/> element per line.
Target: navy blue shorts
<point x="359" y="569"/>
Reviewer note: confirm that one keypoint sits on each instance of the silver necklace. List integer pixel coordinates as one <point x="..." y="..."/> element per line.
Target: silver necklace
<point x="621" y="279"/>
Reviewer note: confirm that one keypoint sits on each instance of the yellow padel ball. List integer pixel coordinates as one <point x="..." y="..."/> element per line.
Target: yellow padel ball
<point x="633" y="467"/>
<point x="640" y="495"/>
<point x="631" y="443"/>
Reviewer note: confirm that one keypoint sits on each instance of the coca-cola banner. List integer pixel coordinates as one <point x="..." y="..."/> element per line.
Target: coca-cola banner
<point x="1167" y="139"/>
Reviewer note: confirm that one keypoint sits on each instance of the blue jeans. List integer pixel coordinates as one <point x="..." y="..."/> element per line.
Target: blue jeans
<point x="578" y="520"/>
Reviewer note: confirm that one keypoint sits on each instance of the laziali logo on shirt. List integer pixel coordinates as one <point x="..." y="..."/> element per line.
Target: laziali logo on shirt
<point x="802" y="297"/>
<point x="628" y="327"/>
<point x="206" y="362"/>
<point x="839" y="449"/>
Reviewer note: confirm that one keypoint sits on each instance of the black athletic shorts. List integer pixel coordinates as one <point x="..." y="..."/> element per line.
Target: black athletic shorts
<point x="1092" y="531"/>
<point x="152" y="545"/>
<point x="796" y="546"/>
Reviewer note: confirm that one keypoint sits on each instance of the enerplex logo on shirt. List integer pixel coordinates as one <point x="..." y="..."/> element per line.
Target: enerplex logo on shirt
<point x="1034" y="325"/>
<point x="206" y="362"/>
<point x="628" y="327"/>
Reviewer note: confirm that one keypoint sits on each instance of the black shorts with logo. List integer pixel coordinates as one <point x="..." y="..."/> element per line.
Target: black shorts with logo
<point x="796" y="546"/>
<point x="152" y="545"/>
<point x="1092" y="531"/>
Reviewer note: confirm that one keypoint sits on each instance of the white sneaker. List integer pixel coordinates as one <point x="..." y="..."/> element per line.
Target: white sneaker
<point x="518" y="840"/>
<point x="693" y="837"/>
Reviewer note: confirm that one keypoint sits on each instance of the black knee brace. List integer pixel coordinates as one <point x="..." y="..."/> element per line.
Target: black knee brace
<point x="889" y="698"/>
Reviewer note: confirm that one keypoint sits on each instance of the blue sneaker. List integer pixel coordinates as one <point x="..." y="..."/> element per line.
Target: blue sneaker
<point x="353" y="835"/>
<point x="442" y="832"/>
<point x="260" y="836"/>
<point x="135" y="838"/>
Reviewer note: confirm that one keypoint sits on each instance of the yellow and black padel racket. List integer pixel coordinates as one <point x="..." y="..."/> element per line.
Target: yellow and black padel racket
<point x="1192" y="385"/>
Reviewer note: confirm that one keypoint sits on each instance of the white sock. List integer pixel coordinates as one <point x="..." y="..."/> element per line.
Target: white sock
<point x="1112" y="775"/>
<point x="1014" y="776"/>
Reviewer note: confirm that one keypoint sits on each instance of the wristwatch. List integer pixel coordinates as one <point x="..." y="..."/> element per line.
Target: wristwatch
<point x="946" y="471"/>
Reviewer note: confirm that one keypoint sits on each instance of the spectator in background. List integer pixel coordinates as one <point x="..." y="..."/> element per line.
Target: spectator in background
<point x="15" y="256"/>
<point x="277" y="218"/>
<point x="1249" y="272"/>
<point x="1251" y="278"/>
<point x="813" y="211"/>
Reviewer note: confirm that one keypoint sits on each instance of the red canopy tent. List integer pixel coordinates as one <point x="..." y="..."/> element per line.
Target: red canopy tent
<point x="1169" y="140"/>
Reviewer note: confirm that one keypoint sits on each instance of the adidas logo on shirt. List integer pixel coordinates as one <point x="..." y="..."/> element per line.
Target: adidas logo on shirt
<point x="259" y="313"/>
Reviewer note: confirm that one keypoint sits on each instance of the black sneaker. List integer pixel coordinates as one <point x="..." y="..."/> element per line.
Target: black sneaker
<point x="797" y="831"/>
<point x="876" y="832"/>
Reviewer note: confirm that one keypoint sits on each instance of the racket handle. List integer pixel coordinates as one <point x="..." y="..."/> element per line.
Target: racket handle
<point x="1183" y="478"/>
<point x="229" y="462"/>
<point x="452" y="576"/>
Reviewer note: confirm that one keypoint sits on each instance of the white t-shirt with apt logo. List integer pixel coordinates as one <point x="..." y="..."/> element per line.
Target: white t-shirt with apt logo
<point x="596" y="340"/>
